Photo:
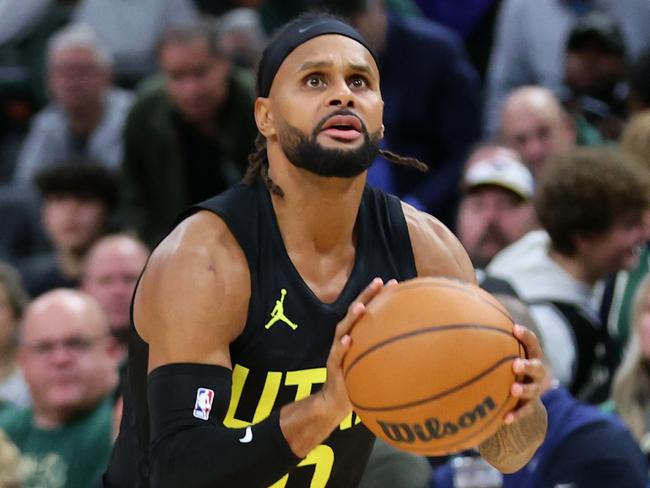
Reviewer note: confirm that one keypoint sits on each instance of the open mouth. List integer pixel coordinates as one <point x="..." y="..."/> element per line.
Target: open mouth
<point x="343" y="127"/>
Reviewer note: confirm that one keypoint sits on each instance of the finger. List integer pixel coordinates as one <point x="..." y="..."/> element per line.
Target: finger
<point x="355" y="312"/>
<point x="370" y="291"/>
<point x="523" y="409"/>
<point x="528" y="338"/>
<point x="525" y="391"/>
<point x="532" y="368"/>
<point x="338" y="350"/>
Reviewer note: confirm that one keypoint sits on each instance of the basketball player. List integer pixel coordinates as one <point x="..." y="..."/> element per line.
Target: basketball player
<point x="228" y="401"/>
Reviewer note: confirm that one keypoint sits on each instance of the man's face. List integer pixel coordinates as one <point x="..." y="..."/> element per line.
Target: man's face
<point x="73" y="223"/>
<point x="76" y="78"/>
<point x="66" y="357"/>
<point x="489" y="219"/>
<point x="325" y="107"/>
<point x="593" y="72"/>
<point x="616" y="249"/>
<point x="536" y="134"/>
<point x="197" y="80"/>
<point x="111" y="273"/>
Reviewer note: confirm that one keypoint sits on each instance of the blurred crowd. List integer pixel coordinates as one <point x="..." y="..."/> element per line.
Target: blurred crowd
<point x="532" y="116"/>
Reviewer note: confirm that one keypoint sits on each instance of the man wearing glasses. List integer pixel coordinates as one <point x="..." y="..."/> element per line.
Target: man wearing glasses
<point x="69" y="361"/>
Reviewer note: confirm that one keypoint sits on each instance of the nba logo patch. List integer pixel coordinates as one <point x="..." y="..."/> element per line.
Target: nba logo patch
<point x="203" y="404"/>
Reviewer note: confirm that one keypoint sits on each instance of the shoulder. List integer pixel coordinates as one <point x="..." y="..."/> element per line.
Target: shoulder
<point x="436" y="250"/>
<point x="50" y="118"/>
<point x="194" y="291"/>
<point x="600" y="454"/>
<point x="120" y="99"/>
<point x="151" y="98"/>
<point x="13" y="419"/>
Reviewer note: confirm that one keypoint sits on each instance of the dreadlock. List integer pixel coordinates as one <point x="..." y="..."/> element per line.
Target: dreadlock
<point x="258" y="165"/>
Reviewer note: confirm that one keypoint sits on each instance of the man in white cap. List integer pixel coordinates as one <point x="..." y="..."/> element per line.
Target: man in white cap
<point x="495" y="209"/>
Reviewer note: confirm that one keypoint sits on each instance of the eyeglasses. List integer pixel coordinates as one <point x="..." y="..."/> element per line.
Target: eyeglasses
<point x="76" y="346"/>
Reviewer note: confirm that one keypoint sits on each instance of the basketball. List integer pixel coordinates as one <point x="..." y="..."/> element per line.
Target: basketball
<point x="429" y="369"/>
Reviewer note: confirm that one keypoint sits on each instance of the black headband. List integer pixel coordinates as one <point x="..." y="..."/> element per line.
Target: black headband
<point x="293" y="35"/>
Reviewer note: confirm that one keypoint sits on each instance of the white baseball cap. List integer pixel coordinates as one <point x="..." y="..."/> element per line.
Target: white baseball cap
<point x="500" y="170"/>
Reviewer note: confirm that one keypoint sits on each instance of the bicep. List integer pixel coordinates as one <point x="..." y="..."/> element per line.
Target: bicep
<point x="192" y="300"/>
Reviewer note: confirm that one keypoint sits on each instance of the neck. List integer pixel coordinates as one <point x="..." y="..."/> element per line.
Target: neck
<point x="315" y="211"/>
<point x="71" y="261"/>
<point x="84" y="121"/>
<point x="575" y="267"/>
<point x="51" y="418"/>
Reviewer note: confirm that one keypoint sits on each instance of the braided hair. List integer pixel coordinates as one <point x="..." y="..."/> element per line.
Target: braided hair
<point x="258" y="165"/>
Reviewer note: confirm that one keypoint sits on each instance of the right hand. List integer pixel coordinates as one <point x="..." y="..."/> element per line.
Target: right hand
<point x="334" y="392"/>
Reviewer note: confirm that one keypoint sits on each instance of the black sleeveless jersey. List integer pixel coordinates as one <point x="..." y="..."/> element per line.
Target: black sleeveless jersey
<point x="280" y="356"/>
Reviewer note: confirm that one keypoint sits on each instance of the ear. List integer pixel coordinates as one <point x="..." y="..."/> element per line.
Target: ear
<point x="580" y="241"/>
<point x="264" y="117"/>
<point x="381" y="132"/>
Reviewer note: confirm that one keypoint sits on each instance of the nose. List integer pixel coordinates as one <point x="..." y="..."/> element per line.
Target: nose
<point x="341" y="95"/>
<point x="60" y="355"/>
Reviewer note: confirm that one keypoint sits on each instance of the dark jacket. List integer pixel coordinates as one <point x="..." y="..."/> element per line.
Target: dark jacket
<point x="155" y="183"/>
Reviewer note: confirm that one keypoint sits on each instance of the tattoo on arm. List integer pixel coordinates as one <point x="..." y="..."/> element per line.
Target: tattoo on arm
<point x="512" y="446"/>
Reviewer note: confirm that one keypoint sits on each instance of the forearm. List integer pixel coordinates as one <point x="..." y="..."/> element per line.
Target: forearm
<point x="190" y="447"/>
<point x="208" y="455"/>
<point x="308" y="422"/>
<point x="512" y="446"/>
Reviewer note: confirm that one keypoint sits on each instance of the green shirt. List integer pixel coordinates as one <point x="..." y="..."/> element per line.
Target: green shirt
<point x="72" y="456"/>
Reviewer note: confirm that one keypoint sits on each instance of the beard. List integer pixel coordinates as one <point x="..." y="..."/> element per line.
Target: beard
<point x="307" y="153"/>
<point x="492" y="236"/>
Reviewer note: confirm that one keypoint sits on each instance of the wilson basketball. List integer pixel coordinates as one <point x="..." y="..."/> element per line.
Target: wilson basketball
<point x="430" y="366"/>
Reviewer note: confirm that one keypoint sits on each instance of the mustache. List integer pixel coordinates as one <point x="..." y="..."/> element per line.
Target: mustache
<point x="343" y="111"/>
<point x="493" y="233"/>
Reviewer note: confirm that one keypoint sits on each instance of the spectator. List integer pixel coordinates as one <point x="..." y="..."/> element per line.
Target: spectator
<point x="534" y="124"/>
<point x="70" y="366"/>
<point x="78" y="200"/>
<point x="436" y="119"/>
<point x="189" y="139"/>
<point x="595" y="74"/>
<point x="639" y="83"/>
<point x="530" y="39"/>
<point x="243" y="37"/>
<point x="631" y="389"/>
<point x="591" y="204"/>
<point x="620" y="289"/>
<point x="110" y="273"/>
<point x="13" y="300"/>
<point x="132" y="30"/>
<point x="584" y="447"/>
<point x="495" y="208"/>
<point x="86" y="116"/>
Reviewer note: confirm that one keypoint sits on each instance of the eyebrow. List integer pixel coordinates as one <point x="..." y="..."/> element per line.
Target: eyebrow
<point x="364" y="68"/>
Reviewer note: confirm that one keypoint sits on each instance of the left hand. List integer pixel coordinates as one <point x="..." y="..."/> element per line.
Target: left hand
<point x="532" y="370"/>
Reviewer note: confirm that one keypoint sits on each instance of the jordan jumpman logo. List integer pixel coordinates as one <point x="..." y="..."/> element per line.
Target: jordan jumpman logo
<point x="277" y="314"/>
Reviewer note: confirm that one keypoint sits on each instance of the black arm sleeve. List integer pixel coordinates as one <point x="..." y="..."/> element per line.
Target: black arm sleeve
<point x="598" y="456"/>
<point x="190" y="447"/>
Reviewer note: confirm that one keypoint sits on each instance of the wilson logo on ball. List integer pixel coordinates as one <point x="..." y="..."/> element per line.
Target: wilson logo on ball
<point x="432" y="428"/>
